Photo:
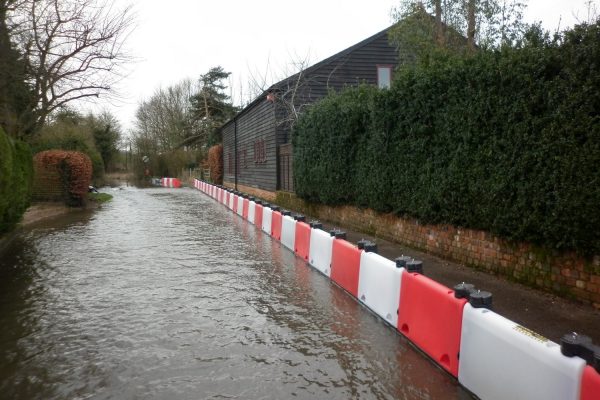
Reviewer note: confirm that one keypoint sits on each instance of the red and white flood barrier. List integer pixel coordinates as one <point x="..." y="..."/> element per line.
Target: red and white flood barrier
<point x="491" y="356"/>
<point x="170" y="182"/>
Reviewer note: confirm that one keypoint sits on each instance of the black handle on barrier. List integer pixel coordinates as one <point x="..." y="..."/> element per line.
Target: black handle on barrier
<point x="338" y="234"/>
<point x="415" y="266"/>
<point x="370" y="247"/>
<point x="481" y="299"/>
<point x="575" y="345"/>
<point x="401" y="261"/>
<point x="316" y="224"/>
<point x="463" y="290"/>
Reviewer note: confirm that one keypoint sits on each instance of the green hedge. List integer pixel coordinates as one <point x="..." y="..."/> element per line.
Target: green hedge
<point x="16" y="174"/>
<point x="505" y="141"/>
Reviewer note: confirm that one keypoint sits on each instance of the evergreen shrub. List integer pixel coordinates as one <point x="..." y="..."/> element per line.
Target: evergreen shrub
<point x="506" y="141"/>
<point x="16" y="173"/>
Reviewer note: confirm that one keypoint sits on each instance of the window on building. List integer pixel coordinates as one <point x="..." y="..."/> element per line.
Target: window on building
<point x="384" y="76"/>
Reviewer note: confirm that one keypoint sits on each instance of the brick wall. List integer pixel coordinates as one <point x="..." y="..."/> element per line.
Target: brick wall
<point x="262" y="194"/>
<point x="564" y="273"/>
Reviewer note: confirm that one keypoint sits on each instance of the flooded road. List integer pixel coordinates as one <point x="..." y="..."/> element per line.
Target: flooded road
<point x="165" y="294"/>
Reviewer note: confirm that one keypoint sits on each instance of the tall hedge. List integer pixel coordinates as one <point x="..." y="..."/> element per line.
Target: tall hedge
<point x="505" y="141"/>
<point x="16" y="172"/>
<point x="215" y="163"/>
<point x="74" y="169"/>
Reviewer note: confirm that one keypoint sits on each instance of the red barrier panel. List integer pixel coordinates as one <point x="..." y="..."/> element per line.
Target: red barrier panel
<point x="245" y="208"/>
<point x="345" y="265"/>
<point x="302" y="241"/>
<point x="431" y="317"/>
<point x="590" y="384"/>
<point x="258" y="213"/>
<point x="235" y="202"/>
<point x="276" y="220"/>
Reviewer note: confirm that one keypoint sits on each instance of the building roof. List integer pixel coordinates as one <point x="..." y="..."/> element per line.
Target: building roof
<point x="312" y="69"/>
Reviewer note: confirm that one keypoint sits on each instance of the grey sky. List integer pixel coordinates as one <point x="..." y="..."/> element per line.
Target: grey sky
<point x="178" y="39"/>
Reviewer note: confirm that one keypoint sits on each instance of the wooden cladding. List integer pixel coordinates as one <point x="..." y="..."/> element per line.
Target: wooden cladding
<point x="286" y="171"/>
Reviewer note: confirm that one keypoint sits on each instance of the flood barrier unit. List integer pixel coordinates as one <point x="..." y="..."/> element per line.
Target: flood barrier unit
<point x="319" y="255"/>
<point x="288" y="232"/>
<point x="500" y="359"/>
<point x="245" y="206"/>
<point x="590" y="385"/>
<point x="240" y="206"/>
<point x="302" y="240"/>
<point x="345" y="265"/>
<point x="431" y="317"/>
<point x="251" y="211"/>
<point x="170" y="182"/>
<point x="379" y="285"/>
<point x="276" y="222"/>
<point x="491" y="356"/>
<point x="258" y="215"/>
<point x="267" y="220"/>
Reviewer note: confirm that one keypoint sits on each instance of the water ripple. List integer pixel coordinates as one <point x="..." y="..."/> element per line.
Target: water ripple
<point x="166" y="294"/>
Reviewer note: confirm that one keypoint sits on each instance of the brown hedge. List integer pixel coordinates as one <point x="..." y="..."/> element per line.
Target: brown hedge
<point x="215" y="163"/>
<point x="74" y="168"/>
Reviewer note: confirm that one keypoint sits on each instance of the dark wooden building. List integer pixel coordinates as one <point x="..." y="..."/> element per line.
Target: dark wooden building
<point x="256" y="143"/>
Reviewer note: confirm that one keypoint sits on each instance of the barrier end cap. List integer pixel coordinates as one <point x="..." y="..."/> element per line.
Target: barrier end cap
<point x="415" y="266"/>
<point x="361" y="243"/>
<point x="370" y="247"/>
<point x="480" y="299"/>
<point x="316" y="224"/>
<point x="463" y="290"/>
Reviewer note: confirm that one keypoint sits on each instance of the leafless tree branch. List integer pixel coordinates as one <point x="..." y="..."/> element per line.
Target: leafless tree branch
<point x="73" y="49"/>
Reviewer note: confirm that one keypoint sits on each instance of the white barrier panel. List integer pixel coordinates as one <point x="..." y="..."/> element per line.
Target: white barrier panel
<point x="251" y="209"/>
<point x="240" y="206"/>
<point x="379" y="285"/>
<point x="230" y="205"/>
<point x="500" y="359"/>
<point x="288" y="232"/>
<point x="266" y="222"/>
<point x="319" y="253"/>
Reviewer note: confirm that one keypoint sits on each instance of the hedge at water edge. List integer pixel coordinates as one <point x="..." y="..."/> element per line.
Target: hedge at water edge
<point x="505" y="141"/>
<point x="16" y="174"/>
<point x="74" y="170"/>
<point x="215" y="163"/>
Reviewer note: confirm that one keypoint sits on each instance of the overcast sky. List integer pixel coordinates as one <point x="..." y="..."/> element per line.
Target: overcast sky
<point x="177" y="39"/>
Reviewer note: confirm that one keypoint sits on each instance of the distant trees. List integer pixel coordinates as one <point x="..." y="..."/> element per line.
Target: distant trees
<point x="458" y="26"/>
<point x="98" y="136"/>
<point x="211" y="106"/>
<point x="185" y="116"/>
<point x="62" y="51"/>
<point x="16" y="95"/>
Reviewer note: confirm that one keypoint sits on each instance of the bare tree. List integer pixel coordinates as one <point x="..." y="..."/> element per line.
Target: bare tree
<point x="290" y="92"/>
<point x="471" y="24"/>
<point x="164" y="118"/>
<point x="73" y="50"/>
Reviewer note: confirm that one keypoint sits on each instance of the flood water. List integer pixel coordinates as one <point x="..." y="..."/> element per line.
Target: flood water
<point x="165" y="294"/>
